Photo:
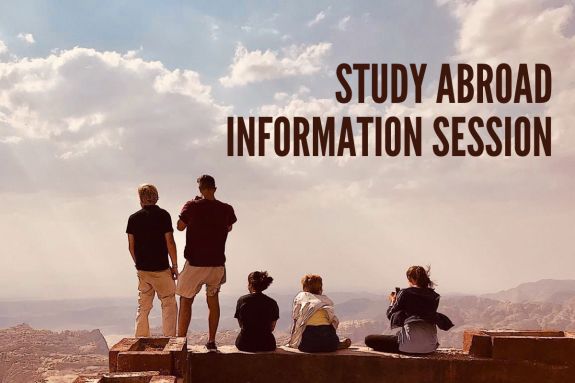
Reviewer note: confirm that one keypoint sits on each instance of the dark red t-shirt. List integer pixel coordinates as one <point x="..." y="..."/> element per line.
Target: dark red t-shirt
<point x="207" y="230"/>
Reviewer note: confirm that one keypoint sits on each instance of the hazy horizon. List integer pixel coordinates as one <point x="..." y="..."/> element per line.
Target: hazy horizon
<point x="97" y="100"/>
<point x="544" y="304"/>
<point x="277" y="292"/>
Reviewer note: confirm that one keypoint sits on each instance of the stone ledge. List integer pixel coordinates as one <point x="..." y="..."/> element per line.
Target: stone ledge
<point x="126" y="344"/>
<point x="509" y="356"/>
<point x="163" y="354"/>
<point x="552" y="350"/>
<point x="547" y="346"/>
<point x="364" y="365"/>
<point x="127" y="377"/>
<point x="160" y="361"/>
<point x="442" y="353"/>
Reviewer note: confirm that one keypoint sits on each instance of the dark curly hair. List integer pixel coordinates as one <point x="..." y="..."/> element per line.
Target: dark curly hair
<point x="259" y="280"/>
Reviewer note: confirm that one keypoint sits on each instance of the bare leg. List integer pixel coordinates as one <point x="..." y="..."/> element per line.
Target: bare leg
<point x="184" y="316"/>
<point x="214" y="316"/>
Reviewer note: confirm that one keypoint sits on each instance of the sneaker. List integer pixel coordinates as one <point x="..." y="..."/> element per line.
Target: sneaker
<point x="211" y="346"/>
<point x="343" y="344"/>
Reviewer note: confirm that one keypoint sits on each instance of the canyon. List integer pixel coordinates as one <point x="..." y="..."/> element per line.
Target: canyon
<point x="58" y="355"/>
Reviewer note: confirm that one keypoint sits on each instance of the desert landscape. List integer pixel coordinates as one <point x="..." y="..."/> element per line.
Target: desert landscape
<point x="54" y="341"/>
<point x="31" y="355"/>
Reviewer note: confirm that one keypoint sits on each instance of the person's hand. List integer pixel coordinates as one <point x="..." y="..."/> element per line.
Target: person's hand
<point x="392" y="298"/>
<point x="175" y="272"/>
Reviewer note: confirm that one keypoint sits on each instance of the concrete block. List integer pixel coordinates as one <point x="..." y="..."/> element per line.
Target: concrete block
<point x="552" y="350"/>
<point x="126" y="344"/>
<point x="477" y="343"/>
<point x="362" y="365"/>
<point x="163" y="354"/>
<point x="127" y="377"/>
<point x="135" y="361"/>
<point x="526" y="333"/>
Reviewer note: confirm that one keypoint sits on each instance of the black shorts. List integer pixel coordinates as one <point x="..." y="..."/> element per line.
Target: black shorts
<point x="319" y="339"/>
<point x="255" y="342"/>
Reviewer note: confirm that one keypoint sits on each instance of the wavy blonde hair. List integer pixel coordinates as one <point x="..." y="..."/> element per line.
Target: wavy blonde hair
<point x="148" y="194"/>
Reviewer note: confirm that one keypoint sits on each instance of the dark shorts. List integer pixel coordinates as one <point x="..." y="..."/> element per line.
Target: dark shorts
<point x="255" y="342"/>
<point x="319" y="339"/>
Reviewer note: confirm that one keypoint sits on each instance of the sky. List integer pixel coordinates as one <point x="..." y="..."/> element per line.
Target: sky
<point x="97" y="97"/>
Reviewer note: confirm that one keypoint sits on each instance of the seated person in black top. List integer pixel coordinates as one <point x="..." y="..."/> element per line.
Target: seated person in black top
<point x="257" y="315"/>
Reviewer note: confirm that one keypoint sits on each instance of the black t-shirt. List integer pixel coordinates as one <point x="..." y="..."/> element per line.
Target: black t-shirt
<point x="208" y="223"/>
<point x="149" y="226"/>
<point x="256" y="312"/>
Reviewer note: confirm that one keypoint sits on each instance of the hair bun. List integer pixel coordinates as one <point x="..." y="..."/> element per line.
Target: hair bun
<point x="259" y="280"/>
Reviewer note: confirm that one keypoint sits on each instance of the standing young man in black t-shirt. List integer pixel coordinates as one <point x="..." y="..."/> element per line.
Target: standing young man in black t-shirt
<point x="151" y="239"/>
<point x="208" y="222"/>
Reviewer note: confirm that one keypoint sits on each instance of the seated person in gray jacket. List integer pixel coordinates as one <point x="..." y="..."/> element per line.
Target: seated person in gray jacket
<point x="414" y="310"/>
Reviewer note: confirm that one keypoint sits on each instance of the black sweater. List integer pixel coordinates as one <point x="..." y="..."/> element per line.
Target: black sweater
<point x="417" y="304"/>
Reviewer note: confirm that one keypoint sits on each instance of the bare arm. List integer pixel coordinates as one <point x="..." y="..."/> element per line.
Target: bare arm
<point x="181" y="225"/>
<point x="172" y="251"/>
<point x="131" y="247"/>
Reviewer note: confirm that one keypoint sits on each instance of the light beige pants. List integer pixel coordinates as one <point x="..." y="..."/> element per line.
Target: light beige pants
<point x="149" y="284"/>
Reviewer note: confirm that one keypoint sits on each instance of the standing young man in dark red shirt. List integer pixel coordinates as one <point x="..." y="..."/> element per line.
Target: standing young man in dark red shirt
<point x="207" y="222"/>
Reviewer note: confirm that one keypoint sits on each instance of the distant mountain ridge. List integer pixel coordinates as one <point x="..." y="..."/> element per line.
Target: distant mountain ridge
<point x="544" y="290"/>
<point x="545" y="304"/>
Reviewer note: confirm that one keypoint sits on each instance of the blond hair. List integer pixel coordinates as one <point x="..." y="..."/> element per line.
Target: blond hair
<point x="148" y="194"/>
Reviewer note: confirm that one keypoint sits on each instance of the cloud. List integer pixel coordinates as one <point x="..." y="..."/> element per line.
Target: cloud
<point x="524" y="32"/>
<point x="81" y="127"/>
<point x="317" y="19"/>
<point x="10" y="139"/>
<point x="213" y="28"/>
<point x="28" y="38"/>
<point x="3" y="47"/>
<point x="303" y="106"/>
<point x="280" y="96"/>
<point x="492" y="32"/>
<point x="256" y="66"/>
<point x="260" y="31"/>
<point x="343" y="23"/>
<point x="82" y="112"/>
